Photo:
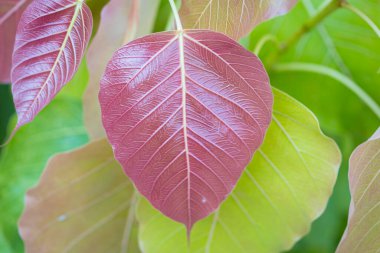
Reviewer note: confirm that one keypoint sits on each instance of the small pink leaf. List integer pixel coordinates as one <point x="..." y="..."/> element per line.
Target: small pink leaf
<point x="51" y="39"/>
<point x="184" y="112"/>
<point x="10" y="13"/>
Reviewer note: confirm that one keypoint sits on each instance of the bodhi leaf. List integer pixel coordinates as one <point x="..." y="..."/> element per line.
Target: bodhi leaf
<point x="133" y="18"/>
<point x="83" y="203"/>
<point x="10" y="13"/>
<point x="235" y="18"/>
<point x="50" y="42"/>
<point x="184" y="112"/>
<point x="284" y="188"/>
<point x="363" y="229"/>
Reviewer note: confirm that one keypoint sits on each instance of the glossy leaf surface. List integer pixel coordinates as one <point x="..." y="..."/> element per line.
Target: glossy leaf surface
<point x="184" y="113"/>
<point x="363" y="229"/>
<point x="10" y="13"/>
<point x="83" y="199"/>
<point x="235" y="18"/>
<point x="284" y="188"/>
<point x="133" y="18"/>
<point x="51" y="39"/>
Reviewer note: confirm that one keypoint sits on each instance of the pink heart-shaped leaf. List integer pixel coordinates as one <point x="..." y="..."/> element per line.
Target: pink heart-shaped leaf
<point x="50" y="42"/>
<point x="184" y="112"/>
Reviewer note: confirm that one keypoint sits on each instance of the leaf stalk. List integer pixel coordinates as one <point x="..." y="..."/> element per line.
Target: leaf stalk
<point x="176" y="15"/>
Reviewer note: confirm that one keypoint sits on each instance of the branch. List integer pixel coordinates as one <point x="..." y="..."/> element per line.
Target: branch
<point x="324" y="11"/>
<point x="334" y="74"/>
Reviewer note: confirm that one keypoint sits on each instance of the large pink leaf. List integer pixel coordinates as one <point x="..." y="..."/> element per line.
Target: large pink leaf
<point x="51" y="39"/>
<point x="184" y="112"/>
<point x="10" y="13"/>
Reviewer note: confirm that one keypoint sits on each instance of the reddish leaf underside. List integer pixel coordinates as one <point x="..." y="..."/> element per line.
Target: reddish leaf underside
<point x="50" y="42"/>
<point x="10" y="13"/>
<point x="184" y="113"/>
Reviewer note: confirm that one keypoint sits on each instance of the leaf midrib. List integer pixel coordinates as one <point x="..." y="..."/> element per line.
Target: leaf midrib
<point x="78" y="8"/>
<point x="184" y="122"/>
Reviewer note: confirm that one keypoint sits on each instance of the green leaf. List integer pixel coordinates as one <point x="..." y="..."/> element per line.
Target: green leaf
<point x="347" y="44"/>
<point x="58" y="128"/>
<point x="83" y="203"/>
<point x="285" y="187"/>
<point x="363" y="229"/>
<point x="342" y="41"/>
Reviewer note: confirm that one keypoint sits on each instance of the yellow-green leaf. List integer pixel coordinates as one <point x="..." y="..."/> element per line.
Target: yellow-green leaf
<point x="285" y="188"/>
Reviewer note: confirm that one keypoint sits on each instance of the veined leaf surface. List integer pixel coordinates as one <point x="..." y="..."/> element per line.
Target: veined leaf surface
<point x="283" y="189"/>
<point x="235" y="18"/>
<point x="10" y="13"/>
<point x="50" y="42"/>
<point x="184" y="112"/>
<point x="363" y="230"/>
<point x="133" y="18"/>
<point x="83" y="203"/>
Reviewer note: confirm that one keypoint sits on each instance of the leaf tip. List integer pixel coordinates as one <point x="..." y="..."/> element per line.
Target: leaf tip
<point x="188" y="234"/>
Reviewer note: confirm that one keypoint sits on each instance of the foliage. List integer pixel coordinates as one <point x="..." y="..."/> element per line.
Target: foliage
<point x="184" y="118"/>
<point x="26" y="155"/>
<point x="276" y="199"/>
<point x="325" y="54"/>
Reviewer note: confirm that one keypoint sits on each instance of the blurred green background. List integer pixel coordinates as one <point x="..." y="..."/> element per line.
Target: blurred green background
<point x="343" y="42"/>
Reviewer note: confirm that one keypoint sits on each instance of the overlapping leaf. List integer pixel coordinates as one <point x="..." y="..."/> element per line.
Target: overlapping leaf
<point x="121" y="21"/>
<point x="235" y="18"/>
<point x="344" y="43"/>
<point x="26" y="155"/>
<point x="284" y="188"/>
<point x="184" y="112"/>
<point x="10" y="13"/>
<point x="337" y="42"/>
<point x="363" y="229"/>
<point x="83" y="203"/>
<point x="51" y="39"/>
<point x="59" y="128"/>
